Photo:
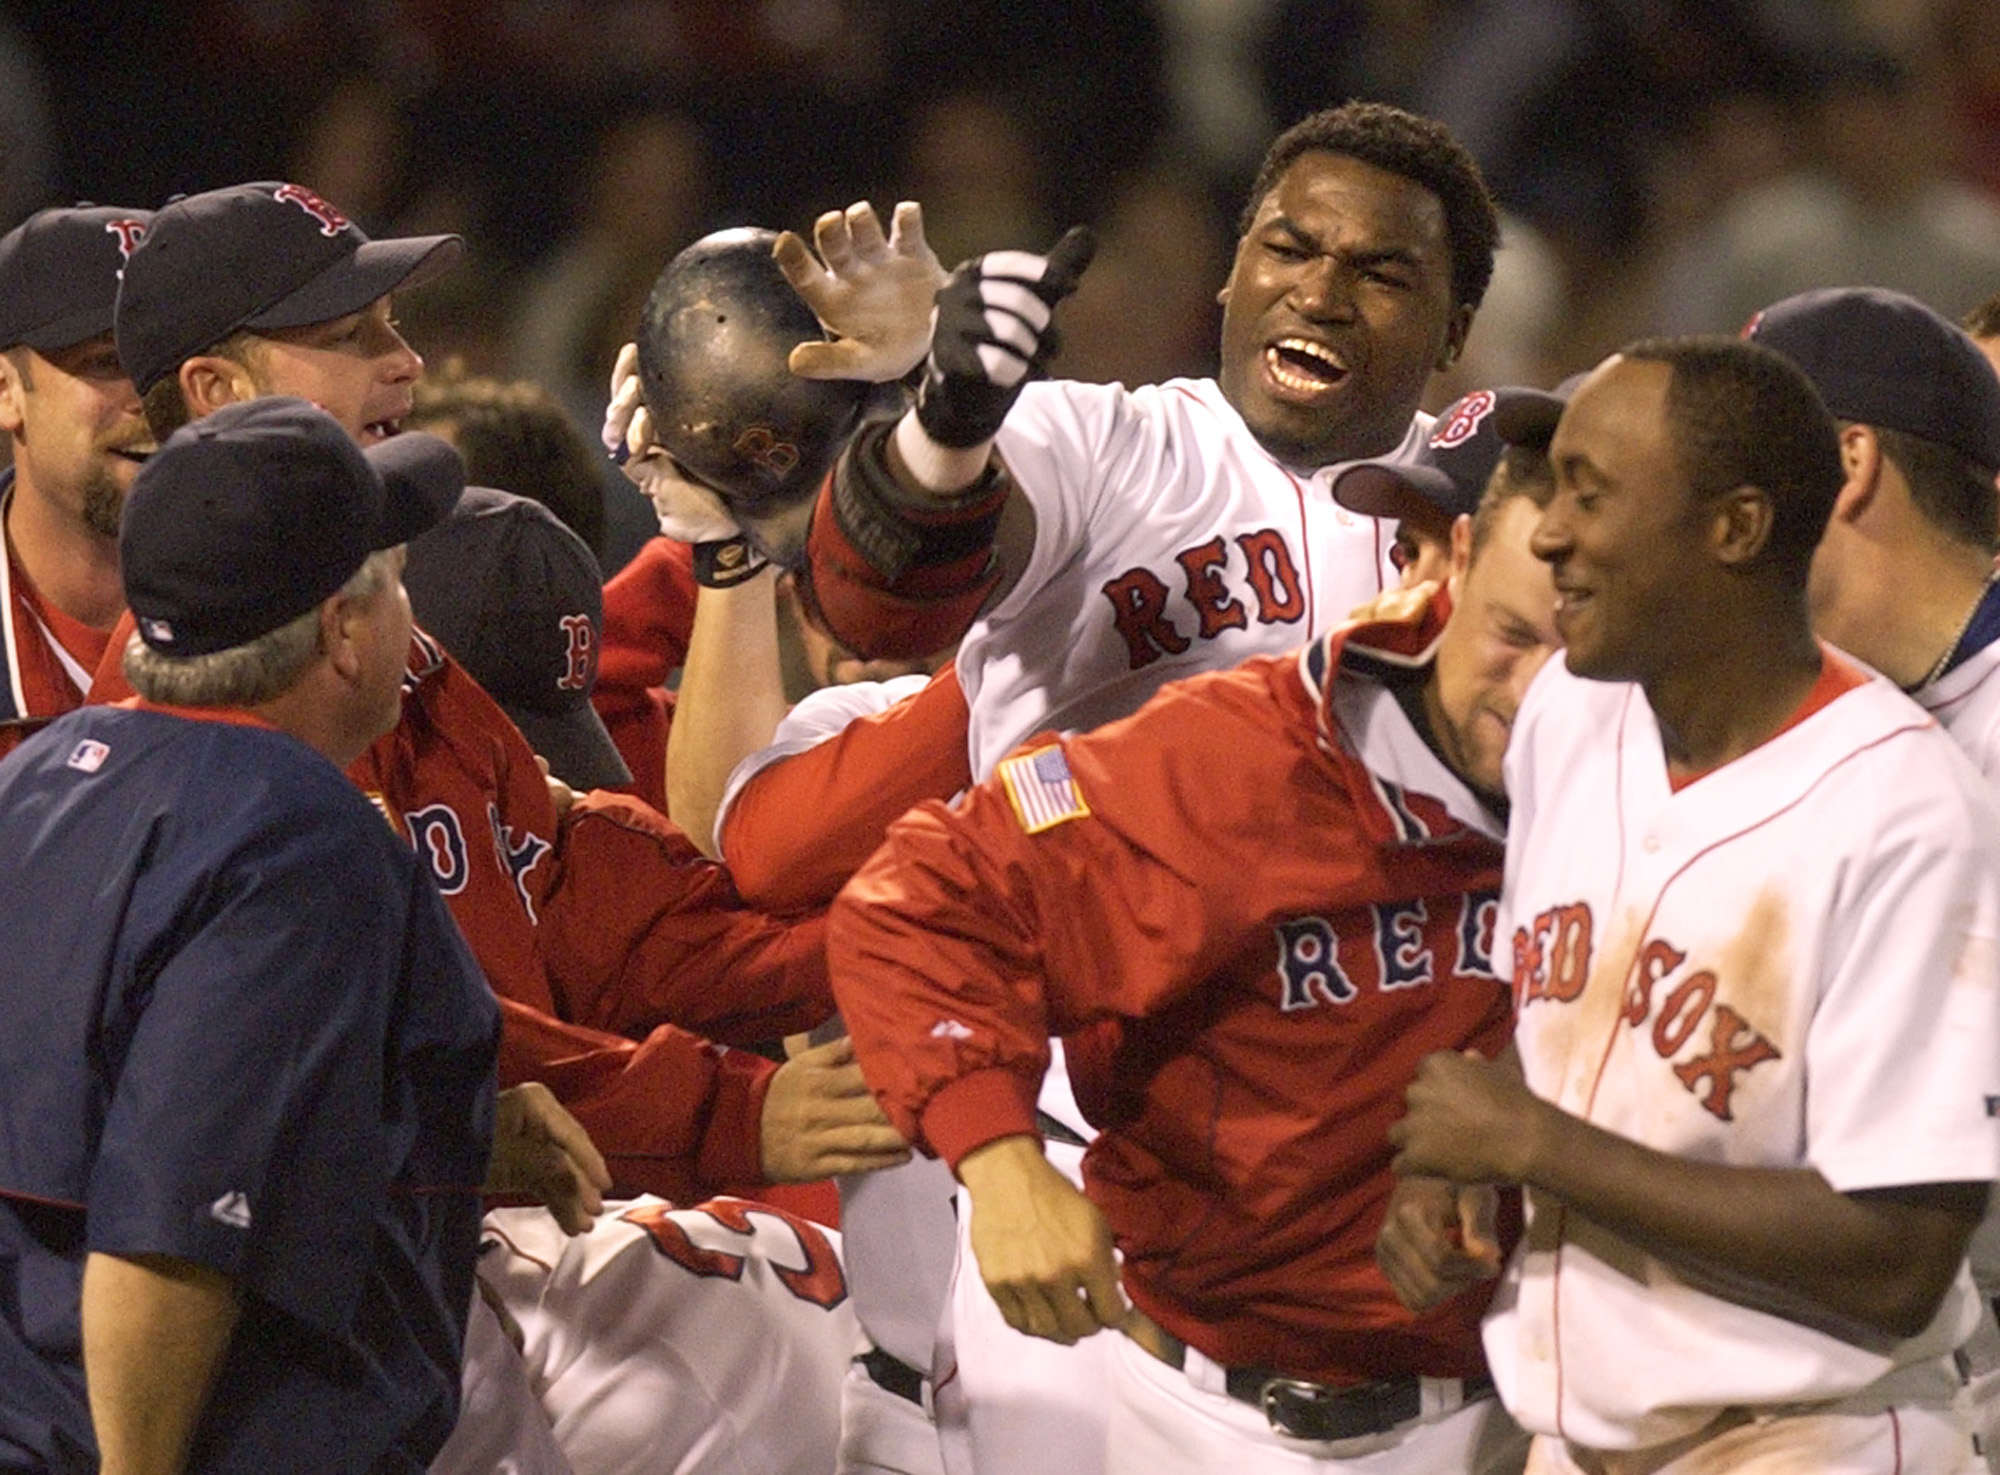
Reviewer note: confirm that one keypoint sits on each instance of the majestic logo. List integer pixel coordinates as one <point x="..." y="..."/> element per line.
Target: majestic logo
<point x="1552" y="957"/>
<point x="331" y="221"/>
<point x="1139" y="596"/>
<point x="1459" y="422"/>
<point x="581" y="665"/>
<point x="130" y="233"/>
<point x="233" y="1209"/>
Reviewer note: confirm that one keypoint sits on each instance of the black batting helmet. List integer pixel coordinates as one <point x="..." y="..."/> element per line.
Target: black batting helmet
<point x="713" y="342"/>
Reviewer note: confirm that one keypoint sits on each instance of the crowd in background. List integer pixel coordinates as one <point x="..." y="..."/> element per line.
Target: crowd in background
<point x="1662" y="164"/>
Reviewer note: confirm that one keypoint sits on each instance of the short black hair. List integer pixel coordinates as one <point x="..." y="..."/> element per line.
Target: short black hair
<point x="1522" y="471"/>
<point x="1418" y="148"/>
<point x="1984" y="320"/>
<point x="1950" y="491"/>
<point x="1745" y="415"/>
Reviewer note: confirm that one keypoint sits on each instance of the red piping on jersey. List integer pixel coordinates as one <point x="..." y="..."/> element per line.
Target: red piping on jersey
<point x="47" y="1203"/>
<point x="1836" y="678"/>
<point x="1624" y="983"/>
<point x="1305" y="547"/>
<point x="233" y="716"/>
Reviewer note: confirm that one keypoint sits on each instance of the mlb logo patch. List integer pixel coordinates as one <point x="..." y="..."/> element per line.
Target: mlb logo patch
<point x="158" y="631"/>
<point x="88" y="756"/>
<point x="1041" y="790"/>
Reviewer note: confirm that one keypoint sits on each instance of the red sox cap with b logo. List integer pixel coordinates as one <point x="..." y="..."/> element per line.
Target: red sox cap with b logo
<point x="59" y="273"/>
<point x="519" y="600"/>
<point x="263" y="255"/>
<point x="1448" y="474"/>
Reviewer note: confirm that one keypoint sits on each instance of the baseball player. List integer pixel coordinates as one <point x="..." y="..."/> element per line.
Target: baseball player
<point x="76" y="438"/>
<point x="1904" y="578"/>
<point x="606" y="908"/>
<point x="1245" y="987"/>
<point x="249" y="1089"/>
<point x="1753" y="911"/>
<point x="1092" y="543"/>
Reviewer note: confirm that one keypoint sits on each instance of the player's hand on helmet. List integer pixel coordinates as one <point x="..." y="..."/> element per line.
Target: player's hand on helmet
<point x="873" y="292"/>
<point x="1469" y="1119"/>
<point x="624" y="405"/>
<point x="820" y="1119"/>
<point x="995" y="330"/>
<point x="1438" y="1239"/>
<point x="541" y="1150"/>
<point x="1044" y="1250"/>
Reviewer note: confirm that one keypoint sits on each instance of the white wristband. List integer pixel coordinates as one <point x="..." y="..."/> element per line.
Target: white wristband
<point x="943" y="470"/>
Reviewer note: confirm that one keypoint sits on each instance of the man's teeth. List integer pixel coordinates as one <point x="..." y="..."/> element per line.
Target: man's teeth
<point x="384" y="428"/>
<point x="1300" y="364"/>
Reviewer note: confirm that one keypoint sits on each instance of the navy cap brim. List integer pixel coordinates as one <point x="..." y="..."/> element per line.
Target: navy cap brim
<point x="1527" y="417"/>
<point x="422" y="479"/>
<point x="373" y="270"/>
<point x="68" y="330"/>
<point x="576" y="744"/>
<point x="1408" y="493"/>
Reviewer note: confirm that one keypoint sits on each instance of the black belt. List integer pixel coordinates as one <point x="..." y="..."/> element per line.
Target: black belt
<point x="1306" y="1410"/>
<point x="886" y="1370"/>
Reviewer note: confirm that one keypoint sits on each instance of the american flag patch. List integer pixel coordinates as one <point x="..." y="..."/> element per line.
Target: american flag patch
<point x="1041" y="790"/>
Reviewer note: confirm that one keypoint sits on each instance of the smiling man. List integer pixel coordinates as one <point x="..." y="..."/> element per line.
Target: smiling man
<point x="77" y="437"/>
<point x="1753" y="909"/>
<point x="1258" y="963"/>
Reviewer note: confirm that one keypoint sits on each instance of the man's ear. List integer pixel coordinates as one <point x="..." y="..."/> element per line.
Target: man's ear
<point x="337" y="615"/>
<point x="1455" y="333"/>
<point x="1741" y="526"/>
<point x="209" y="381"/>
<point x="13" y="394"/>
<point x="1861" y="465"/>
<point x="1461" y="551"/>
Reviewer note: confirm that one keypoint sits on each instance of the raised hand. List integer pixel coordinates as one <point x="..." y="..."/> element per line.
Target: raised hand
<point x="873" y="292"/>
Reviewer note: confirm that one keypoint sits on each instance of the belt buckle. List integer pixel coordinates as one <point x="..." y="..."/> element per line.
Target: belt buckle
<point x="1302" y="1410"/>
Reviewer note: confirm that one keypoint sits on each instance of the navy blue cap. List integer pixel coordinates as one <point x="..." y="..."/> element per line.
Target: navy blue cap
<point x="519" y="600"/>
<point x="59" y="272"/>
<point x="263" y="255"/>
<point x="1882" y="358"/>
<point x="249" y="517"/>
<point x="1448" y="475"/>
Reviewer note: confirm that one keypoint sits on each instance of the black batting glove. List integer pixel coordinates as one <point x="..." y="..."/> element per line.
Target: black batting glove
<point x="995" y="329"/>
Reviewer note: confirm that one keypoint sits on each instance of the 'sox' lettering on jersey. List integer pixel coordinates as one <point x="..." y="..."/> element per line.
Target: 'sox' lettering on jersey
<point x="581" y="669"/>
<point x="1552" y="955"/>
<point x="518" y="852"/>
<point x="817" y="1279"/>
<point x="1309" y="971"/>
<point x="1552" y="958"/>
<point x="1139" y="596"/>
<point x="435" y="835"/>
<point x="331" y="221"/>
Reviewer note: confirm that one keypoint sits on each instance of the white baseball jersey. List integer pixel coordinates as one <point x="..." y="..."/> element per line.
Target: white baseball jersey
<point x="1167" y="541"/>
<point x="1966" y="702"/>
<point x="711" y="1340"/>
<point x="1793" y="961"/>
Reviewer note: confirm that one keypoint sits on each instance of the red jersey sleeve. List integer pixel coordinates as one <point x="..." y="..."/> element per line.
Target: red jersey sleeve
<point x="801" y="826"/>
<point x="672" y="1114"/>
<point x="648" y="612"/>
<point x="641" y="929"/>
